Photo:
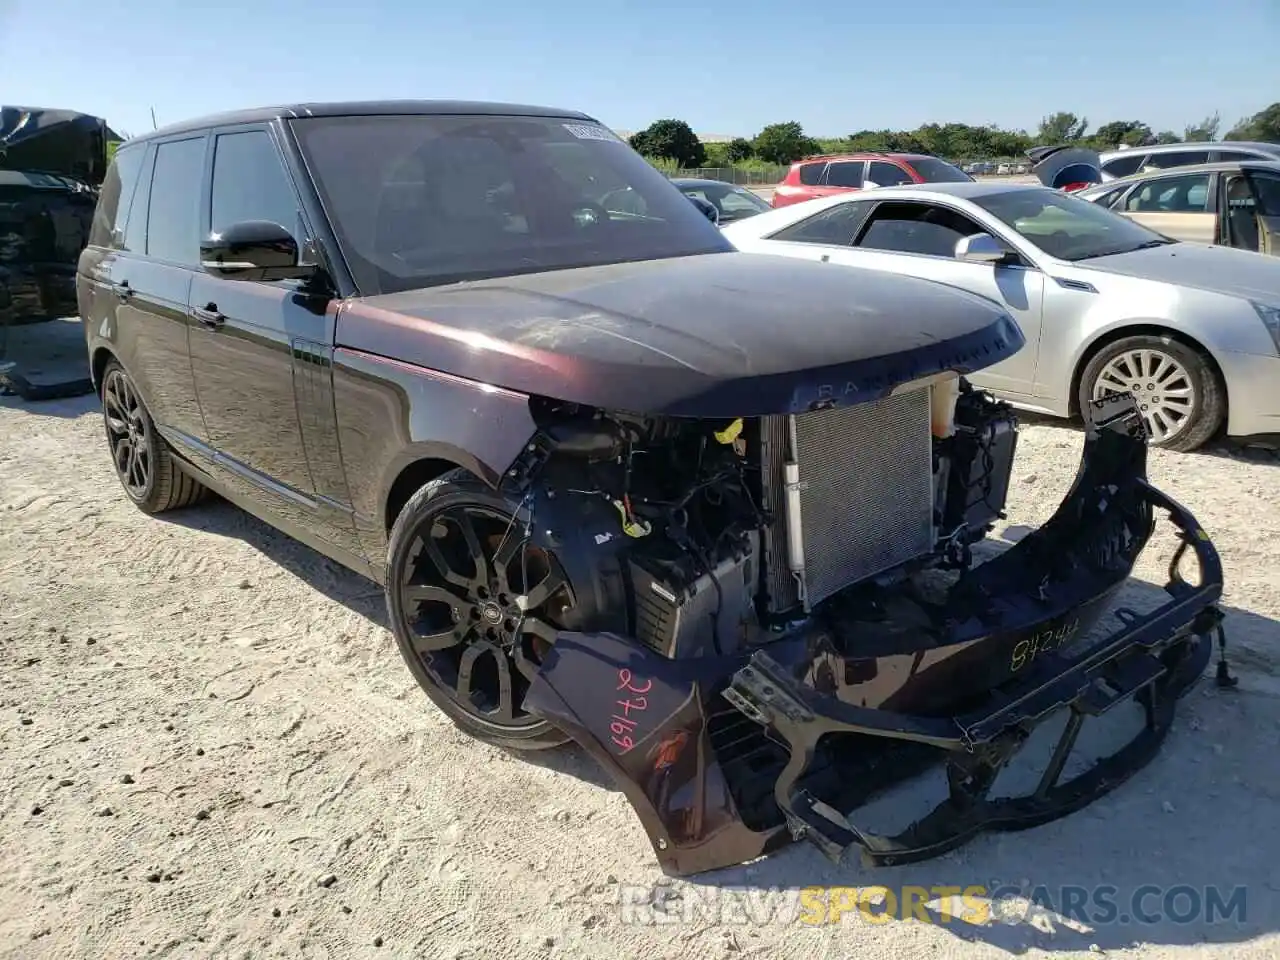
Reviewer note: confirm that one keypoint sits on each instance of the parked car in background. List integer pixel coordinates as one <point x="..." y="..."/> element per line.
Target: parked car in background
<point x="834" y="174"/>
<point x="1123" y="163"/>
<point x="1232" y="204"/>
<point x="1106" y="304"/>
<point x="731" y="201"/>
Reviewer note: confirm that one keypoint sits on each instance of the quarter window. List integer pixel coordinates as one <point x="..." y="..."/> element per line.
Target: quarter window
<point x="173" y="221"/>
<point x="114" y="199"/>
<point x="811" y="173"/>
<point x="249" y="182"/>
<point x="1123" y="166"/>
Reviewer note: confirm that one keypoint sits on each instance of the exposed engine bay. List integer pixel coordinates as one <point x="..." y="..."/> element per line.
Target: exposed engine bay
<point x="727" y="532"/>
<point x="780" y="617"/>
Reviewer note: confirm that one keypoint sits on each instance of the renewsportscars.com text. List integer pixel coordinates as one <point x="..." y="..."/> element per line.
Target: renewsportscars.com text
<point x="940" y="904"/>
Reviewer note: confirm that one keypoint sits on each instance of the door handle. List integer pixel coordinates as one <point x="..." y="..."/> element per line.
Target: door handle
<point x="122" y="289"/>
<point x="209" y="316"/>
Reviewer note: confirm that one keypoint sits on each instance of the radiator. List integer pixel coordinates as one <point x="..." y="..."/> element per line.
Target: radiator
<point x="866" y="493"/>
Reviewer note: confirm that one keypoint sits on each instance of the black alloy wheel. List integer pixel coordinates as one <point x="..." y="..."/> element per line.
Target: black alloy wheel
<point x="475" y="607"/>
<point x="146" y="469"/>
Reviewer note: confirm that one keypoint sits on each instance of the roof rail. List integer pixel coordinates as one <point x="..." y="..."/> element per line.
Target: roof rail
<point x="839" y="156"/>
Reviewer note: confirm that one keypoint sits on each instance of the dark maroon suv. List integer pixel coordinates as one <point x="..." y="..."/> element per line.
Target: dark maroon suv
<point x="621" y="483"/>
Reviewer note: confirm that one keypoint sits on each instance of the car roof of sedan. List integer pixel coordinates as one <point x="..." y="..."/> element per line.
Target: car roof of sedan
<point x="365" y="108"/>
<point x="1222" y="166"/>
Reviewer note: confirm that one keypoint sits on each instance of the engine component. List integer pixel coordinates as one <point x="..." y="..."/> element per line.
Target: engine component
<point x="981" y="454"/>
<point x="865" y="489"/>
<point x="684" y="614"/>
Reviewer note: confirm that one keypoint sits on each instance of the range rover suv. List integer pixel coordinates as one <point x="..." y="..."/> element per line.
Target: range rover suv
<point x="621" y="483"/>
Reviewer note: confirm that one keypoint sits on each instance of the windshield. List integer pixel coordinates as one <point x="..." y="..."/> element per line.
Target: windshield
<point x="417" y="201"/>
<point x="731" y="201"/>
<point x="1066" y="227"/>
<point x="934" y="170"/>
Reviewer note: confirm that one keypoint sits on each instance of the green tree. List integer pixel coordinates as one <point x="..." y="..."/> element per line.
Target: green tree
<point x="783" y="143"/>
<point x="1204" y="131"/>
<point x="1062" y="127"/>
<point x="1263" y="125"/>
<point x="1167" y="136"/>
<point x="1132" y="133"/>
<point x="670" y="140"/>
<point x="739" y="149"/>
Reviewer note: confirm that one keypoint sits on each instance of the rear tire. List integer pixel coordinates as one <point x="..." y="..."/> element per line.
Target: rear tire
<point x="1177" y="388"/>
<point x="149" y="473"/>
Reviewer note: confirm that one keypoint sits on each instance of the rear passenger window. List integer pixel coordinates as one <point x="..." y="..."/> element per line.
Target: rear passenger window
<point x="1123" y="166"/>
<point x="114" y="198"/>
<point x="847" y="174"/>
<point x="811" y="173"/>
<point x="1177" y="158"/>
<point x="249" y="182"/>
<point x="173" y="221"/>
<point x="887" y="174"/>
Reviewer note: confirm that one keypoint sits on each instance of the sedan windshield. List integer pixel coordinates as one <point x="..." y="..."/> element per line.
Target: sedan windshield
<point x="418" y="201"/>
<point x="732" y="202"/>
<point x="1067" y="227"/>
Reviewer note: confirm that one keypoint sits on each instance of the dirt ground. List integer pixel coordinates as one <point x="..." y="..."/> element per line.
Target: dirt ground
<point x="209" y="748"/>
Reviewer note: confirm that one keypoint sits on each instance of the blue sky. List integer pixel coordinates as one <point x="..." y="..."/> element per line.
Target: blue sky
<point x="727" y="68"/>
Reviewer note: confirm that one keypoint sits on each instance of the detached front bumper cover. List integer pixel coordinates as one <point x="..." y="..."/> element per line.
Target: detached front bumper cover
<point x="665" y="729"/>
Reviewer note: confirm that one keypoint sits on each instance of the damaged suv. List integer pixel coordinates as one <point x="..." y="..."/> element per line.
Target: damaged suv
<point x="622" y="484"/>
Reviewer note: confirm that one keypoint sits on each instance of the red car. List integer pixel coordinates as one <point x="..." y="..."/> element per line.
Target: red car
<point x="830" y="174"/>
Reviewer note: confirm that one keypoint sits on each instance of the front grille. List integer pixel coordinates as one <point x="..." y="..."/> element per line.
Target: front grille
<point x="866" y="501"/>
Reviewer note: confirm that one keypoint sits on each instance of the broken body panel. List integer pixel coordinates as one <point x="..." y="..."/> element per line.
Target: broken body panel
<point x="697" y="744"/>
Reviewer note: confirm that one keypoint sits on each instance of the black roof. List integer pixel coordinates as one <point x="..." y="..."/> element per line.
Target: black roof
<point x="364" y="108"/>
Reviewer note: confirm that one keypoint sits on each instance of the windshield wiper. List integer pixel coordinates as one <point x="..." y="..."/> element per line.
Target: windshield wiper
<point x="1159" y="242"/>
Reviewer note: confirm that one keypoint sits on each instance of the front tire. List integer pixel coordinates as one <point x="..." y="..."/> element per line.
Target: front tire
<point x="1178" y="391"/>
<point x="474" y="607"/>
<point x="144" y="466"/>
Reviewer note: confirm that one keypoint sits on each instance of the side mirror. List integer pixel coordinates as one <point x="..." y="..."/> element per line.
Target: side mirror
<point x="253" y="250"/>
<point x="708" y="208"/>
<point x="981" y="248"/>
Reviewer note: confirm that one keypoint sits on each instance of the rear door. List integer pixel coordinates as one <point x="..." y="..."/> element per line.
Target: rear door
<point x="141" y="283"/>
<point x="842" y="176"/>
<point x="262" y="351"/>
<point x="882" y="173"/>
<point x="1180" y="206"/>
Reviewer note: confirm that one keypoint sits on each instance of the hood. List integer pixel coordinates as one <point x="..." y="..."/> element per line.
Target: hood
<point x="54" y="141"/>
<point x="1057" y="167"/>
<point x="726" y="334"/>
<point x="1236" y="273"/>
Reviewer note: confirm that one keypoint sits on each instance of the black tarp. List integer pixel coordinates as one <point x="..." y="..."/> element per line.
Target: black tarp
<point x="54" y="141"/>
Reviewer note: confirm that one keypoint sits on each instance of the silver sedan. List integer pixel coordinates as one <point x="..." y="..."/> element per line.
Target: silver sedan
<point x="1106" y="305"/>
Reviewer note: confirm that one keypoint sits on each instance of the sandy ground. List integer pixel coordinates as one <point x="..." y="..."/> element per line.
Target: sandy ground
<point x="209" y="747"/>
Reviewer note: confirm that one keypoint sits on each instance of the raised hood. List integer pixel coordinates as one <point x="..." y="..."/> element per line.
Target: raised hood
<point x="720" y="335"/>
<point x="1064" y="166"/>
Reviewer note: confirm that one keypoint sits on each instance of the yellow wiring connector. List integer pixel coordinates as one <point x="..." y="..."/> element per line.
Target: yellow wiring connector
<point x="729" y="433"/>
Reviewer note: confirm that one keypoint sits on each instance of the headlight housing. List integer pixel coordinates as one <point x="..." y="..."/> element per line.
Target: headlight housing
<point x="1270" y="316"/>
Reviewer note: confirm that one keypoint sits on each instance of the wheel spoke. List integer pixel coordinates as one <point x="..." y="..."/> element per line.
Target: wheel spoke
<point x="468" y="530"/>
<point x="428" y="593"/>
<point x="504" y="555"/>
<point x="504" y="710"/>
<point x="437" y="558"/>
<point x="435" y="642"/>
<point x="123" y="457"/>
<point x="529" y="628"/>
<point x="543" y="591"/>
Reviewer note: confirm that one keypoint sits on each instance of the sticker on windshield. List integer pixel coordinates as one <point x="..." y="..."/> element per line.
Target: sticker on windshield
<point x="587" y="131"/>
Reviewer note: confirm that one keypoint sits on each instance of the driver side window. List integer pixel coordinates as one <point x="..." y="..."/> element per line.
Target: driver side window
<point x="920" y="228"/>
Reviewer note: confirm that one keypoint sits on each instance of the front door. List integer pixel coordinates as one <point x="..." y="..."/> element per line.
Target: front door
<point x="1182" y="207"/>
<point x="262" y="353"/>
<point x="919" y="239"/>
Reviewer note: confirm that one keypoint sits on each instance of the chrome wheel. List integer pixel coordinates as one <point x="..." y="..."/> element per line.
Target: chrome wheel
<point x="1163" y="387"/>
<point x="481" y="607"/>
<point x="128" y="434"/>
